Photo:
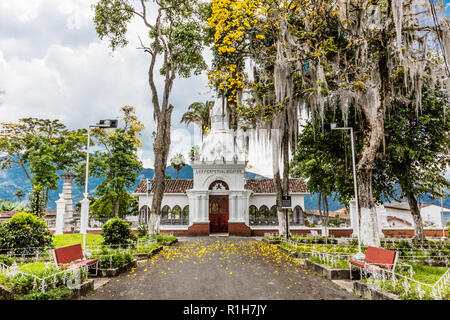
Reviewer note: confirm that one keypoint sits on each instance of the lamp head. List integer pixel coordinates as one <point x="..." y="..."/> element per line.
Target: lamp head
<point x="329" y="126"/>
<point x="108" y="123"/>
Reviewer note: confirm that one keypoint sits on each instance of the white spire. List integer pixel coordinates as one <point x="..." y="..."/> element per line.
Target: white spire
<point x="218" y="115"/>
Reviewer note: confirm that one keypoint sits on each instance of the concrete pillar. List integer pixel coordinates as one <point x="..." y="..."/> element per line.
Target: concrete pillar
<point x="60" y="209"/>
<point x="84" y="213"/>
<point x="67" y="194"/>
<point x="353" y="218"/>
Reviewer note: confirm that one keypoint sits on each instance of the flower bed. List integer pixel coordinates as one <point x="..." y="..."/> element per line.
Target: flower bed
<point x="40" y="281"/>
<point x="416" y="286"/>
<point x="327" y="271"/>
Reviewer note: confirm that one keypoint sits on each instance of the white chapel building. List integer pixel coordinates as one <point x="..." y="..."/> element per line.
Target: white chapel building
<point x="219" y="199"/>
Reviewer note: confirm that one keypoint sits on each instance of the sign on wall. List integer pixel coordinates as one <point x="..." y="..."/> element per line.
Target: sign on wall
<point x="286" y="202"/>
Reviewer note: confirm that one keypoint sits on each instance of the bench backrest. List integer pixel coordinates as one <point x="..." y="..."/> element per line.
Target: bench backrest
<point x="380" y="256"/>
<point x="68" y="254"/>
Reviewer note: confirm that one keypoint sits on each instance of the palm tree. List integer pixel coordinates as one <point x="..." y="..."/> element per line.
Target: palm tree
<point x="177" y="162"/>
<point x="20" y="194"/>
<point x="198" y="112"/>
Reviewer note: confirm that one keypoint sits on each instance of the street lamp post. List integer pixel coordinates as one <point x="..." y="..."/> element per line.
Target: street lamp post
<point x="332" y="126"/>
<point x="85" y="202"/>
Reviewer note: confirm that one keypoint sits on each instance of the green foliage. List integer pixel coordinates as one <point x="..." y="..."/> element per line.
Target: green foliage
<point x="111" y="259"/>
<point x="37" y="201"/>
<point x="103" y="206"/>
<point x="117" y="232"/>
<point x="164" y="239"/>
<point x="45" y="146"/>
<point x="324" y="158"/>
<point x="118" y="164"/>
<point x="20" y="194"/>
<point x="6" y="205"/>
<point x="142" y="230"/>
<point x="111" y="19"/>
<point x="416" y="152"/>
<point x="198" y="113"/>
<point x="62" y="240"/>
<point x="6" y="260"/>
<point x="59" y="293"/>
<point x="24" y="230"/>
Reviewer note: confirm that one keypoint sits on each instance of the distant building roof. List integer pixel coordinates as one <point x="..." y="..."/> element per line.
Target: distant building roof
<point x="9" y="214"/>
<point x="391" y="218"/>
<point x="404" y="205"/>
<point x="342" y="213"/>
<point x="255" y="185"/>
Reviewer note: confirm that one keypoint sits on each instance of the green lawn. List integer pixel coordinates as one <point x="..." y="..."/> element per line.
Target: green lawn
<point x="62" y="240"/>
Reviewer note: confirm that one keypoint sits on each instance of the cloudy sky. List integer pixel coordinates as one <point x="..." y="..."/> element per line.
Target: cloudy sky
<point x="53" y="65"/>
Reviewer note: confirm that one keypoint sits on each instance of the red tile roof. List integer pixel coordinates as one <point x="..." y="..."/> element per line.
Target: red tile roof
<point x="255" y="185"/>
<point x="172" y="186"/>
<point x="268" y="185"/>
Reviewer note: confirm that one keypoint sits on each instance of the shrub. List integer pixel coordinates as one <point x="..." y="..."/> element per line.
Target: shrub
<point x="142" y="230"/>
<point x="111" y="259"/>
<point x="164" y="239"/>
<point x="24" y="230"/>
<point x="117" y="232"/>
<point x="6" y="260"/>
<point x="60" y="293"/>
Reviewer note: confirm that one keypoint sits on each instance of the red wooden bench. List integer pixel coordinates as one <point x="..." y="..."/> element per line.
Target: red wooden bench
<point x="72" y="257"/>
<point x="376" y="260"/>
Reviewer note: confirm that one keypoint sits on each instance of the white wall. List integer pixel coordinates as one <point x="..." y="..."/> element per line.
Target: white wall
<point x="432" y="213"/>
<point x="170" y="199"/>
<point x="260" y="199"/>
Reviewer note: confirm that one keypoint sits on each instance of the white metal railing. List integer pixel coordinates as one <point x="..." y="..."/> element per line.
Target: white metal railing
<point x="442" y="285"/>
<point x="70" y="278"/>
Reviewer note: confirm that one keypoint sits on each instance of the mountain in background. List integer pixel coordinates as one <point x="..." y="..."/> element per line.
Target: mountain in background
<point x="14" y="179"/>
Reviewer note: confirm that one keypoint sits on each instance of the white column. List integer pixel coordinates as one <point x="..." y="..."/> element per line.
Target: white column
<point x="353" y="218"/>
<point x="205" y="207"/>
<point x="60" y="209"/>
<point x="84" y="214"/>
<point x="232" y="204"/>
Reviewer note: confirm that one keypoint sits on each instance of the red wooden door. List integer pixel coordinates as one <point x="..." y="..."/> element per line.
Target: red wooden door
<point x="218" y="213"/>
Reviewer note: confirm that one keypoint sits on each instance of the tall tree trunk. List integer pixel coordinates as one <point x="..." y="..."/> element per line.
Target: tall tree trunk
<point x="373" y="107"/>
<point x="415" y="212"/>
<point x="320" y="207"/>
<point x="282" y="184"/>
<point x="116" y="207"/>
<point x="161" y="150"/>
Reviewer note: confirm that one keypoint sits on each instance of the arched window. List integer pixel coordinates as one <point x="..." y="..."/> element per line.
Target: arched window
<point x="218" y="185"/>
<point x="185" y="215"/>
<point x="273" y="212"/>
<point x="264" y="212"/>
<point x="298" y="217"/>
<point x="176" y="213"/>
<point x="144" y="215"/>
<point x="252" y="213"/>
<point x="165" y="212"/>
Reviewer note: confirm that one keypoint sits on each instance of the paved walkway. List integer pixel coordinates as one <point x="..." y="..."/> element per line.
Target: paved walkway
<point x="226" y="268"/>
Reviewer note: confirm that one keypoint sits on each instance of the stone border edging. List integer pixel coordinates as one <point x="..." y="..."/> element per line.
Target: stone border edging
<point x="371" y="292"/>
<point x="329" y="273"/>
<point x="116" y="271"/>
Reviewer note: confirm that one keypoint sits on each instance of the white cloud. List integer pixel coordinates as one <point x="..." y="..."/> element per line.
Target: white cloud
<point x="52" y="65"/>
